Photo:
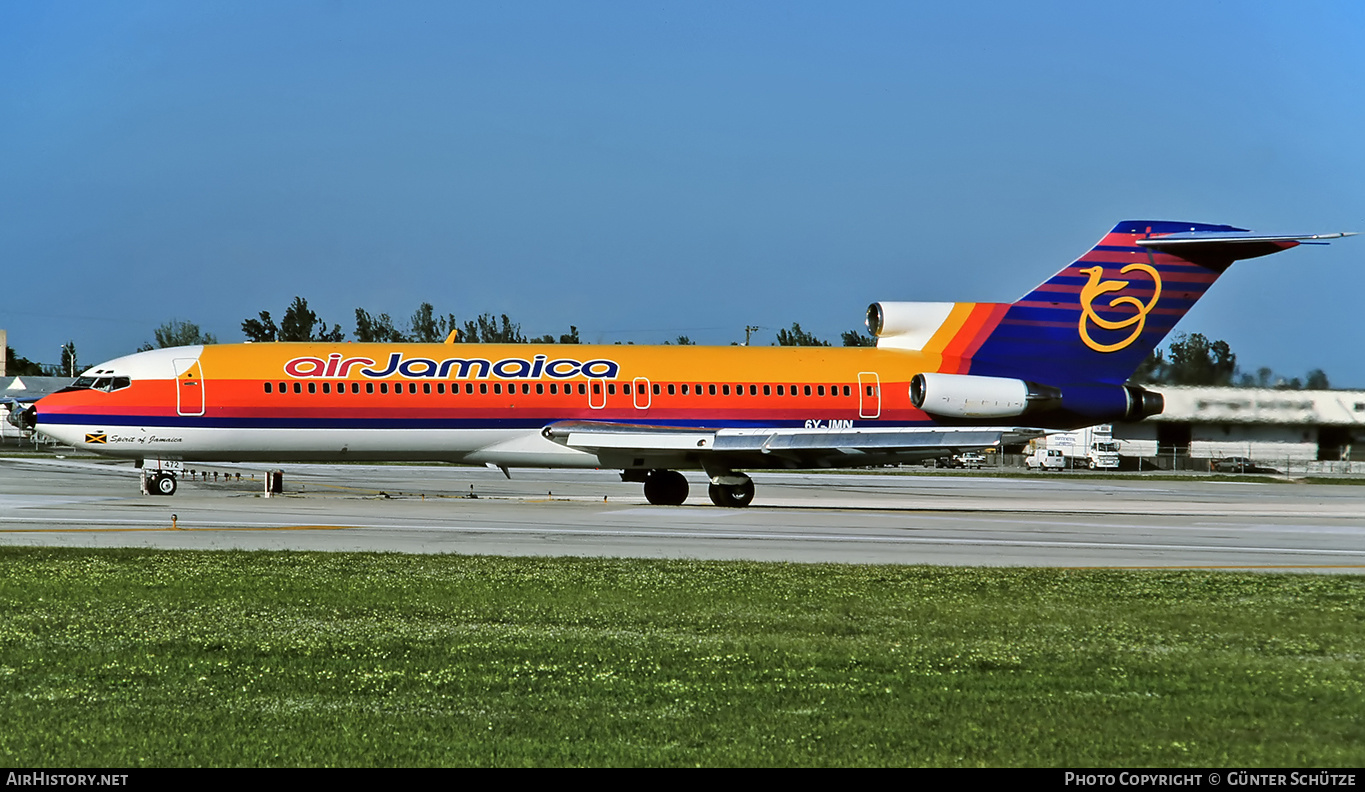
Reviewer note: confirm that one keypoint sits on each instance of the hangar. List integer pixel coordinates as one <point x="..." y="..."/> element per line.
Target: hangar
<point x="1293" y="431"/>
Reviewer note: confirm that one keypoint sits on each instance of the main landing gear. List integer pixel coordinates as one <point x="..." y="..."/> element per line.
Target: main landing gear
<point x="669" y="488"/>
<point x="665" y="488"/>
<point x="734" y="495"/>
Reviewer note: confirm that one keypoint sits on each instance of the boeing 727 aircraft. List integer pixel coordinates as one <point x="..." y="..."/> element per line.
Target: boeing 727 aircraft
<point x="943" y="378"/>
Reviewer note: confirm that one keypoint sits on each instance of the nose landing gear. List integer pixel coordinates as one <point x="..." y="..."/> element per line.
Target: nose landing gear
<point x="160" y="483"/>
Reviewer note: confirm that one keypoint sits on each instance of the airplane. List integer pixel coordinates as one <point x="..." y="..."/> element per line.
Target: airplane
<point x="943" y="378"/>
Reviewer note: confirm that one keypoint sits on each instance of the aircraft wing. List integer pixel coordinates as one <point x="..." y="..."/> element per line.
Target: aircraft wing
<point x="839" y="447"/>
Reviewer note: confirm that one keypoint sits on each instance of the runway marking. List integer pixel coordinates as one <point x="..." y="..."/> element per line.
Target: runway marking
<point x="1231" y="566"/>
<point x="168" y="529"/>
<point x="737" y="536"/>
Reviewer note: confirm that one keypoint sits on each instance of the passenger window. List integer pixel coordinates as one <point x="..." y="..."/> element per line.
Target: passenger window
<point x="327" y="388"/>
<point x="725" y="390"/>
<point x="656" y="389"/>
<point x="483" y="388"/>
<point x="267" y="387"/>
<point x="497" y="388"/>
<point x="440" y="389"/>
<point x="540" y="388"/>
<point x="426" y="387"/>
<point x="767" y="390"/>
<point x="753" y="390"/>
<point x="369" y="387"/>
<point x="611" y="389"/>
<point x="806" y="390"/>
<point x="383" y="387"/>
<point x="312" y="387"/>
<point x="298" y="387"/>
<point x="671" y="390"/>
<point x="582" y="389"/>
<point x="684" y="389"/>
<point x="820" y="390"/>
<point x="780" y="393"/>
<point x="711" y="390"/>
<point x="526" y="388"/>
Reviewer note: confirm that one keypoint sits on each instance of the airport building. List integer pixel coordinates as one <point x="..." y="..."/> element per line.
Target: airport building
<point x="1293" y="431"/>
<point x="23" y="389"/>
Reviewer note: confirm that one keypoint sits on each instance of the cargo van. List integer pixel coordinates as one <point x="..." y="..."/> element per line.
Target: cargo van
<point x="1046" y="459"/>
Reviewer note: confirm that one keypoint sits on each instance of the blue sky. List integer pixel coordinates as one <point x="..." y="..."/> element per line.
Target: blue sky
<point x="649" y="170"/>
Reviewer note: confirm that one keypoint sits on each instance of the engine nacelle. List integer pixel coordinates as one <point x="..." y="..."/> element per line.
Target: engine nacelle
<point x="906" y="325"/>
<point x="971" y="396"/>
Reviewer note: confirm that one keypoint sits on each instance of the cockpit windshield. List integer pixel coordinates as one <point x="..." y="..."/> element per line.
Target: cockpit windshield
<point x="105" y="383"/>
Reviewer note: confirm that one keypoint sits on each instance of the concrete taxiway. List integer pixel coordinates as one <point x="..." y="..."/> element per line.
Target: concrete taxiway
<point x="1059" y="520"/>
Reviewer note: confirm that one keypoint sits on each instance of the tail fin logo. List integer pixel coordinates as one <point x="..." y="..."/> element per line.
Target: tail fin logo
<point x="1097" y="288"/>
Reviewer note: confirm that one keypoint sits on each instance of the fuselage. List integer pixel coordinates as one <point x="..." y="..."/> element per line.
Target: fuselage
<point x="464" y="402"/>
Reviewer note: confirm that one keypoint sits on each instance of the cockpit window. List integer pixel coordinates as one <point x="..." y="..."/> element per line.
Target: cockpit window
<point x="106" y="384"/>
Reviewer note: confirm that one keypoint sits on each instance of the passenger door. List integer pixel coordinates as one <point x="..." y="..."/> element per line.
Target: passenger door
<point x="189" y="387"/>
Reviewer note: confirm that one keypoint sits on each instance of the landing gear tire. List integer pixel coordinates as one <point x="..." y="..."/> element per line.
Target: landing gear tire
<point x="732" y="495"/>
<point x="161" y="484"/>
<point x="666" y="488"/>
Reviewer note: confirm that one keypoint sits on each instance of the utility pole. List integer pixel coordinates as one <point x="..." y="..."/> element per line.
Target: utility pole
<point x="69" y="352"/>
<point x="748" y="331"/>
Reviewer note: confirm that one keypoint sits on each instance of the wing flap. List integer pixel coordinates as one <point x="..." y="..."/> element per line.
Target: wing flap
<point x="807" y="444"/>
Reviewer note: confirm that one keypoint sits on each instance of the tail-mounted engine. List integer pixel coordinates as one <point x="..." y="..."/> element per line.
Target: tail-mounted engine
<point x="972" y="396"/>
<point x="968" y="396"/>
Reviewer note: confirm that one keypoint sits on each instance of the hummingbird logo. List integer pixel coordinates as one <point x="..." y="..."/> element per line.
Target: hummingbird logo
<point x="1095" y="289"/>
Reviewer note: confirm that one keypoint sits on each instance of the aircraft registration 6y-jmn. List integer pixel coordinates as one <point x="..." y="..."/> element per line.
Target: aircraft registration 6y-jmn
<point x="943" y="378"/>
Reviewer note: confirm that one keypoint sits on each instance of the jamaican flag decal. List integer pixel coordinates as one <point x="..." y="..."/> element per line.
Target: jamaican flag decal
<point x="96" y="438"/>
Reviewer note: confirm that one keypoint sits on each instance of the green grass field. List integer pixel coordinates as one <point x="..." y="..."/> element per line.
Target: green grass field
<point x="133" y="658"/>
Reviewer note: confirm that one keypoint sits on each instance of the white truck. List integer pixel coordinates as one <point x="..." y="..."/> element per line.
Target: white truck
<point x="1093" y="447"/>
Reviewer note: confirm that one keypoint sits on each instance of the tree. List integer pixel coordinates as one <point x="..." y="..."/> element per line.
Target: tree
<point x="427" y="328"/>
<point x="1317" y="380"/>
<point x="485" y="330"/>
<point x="16" y="366"/>
<point x="297" y="325"/>
<point x="1151" y="370"/>
<point x="372" y="329"/>
<point x="299" y="321"/>
<point x="570" y="337"/>
<point x="798" y="337"/>
<point x="177" y="333"/>
<point x="1194" y="360"/>
<point x="853" y="338"/>
<point x="262" y="329"/>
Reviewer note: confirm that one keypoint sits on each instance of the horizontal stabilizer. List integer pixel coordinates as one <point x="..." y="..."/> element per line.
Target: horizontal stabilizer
<point x="1229" y="246"/>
